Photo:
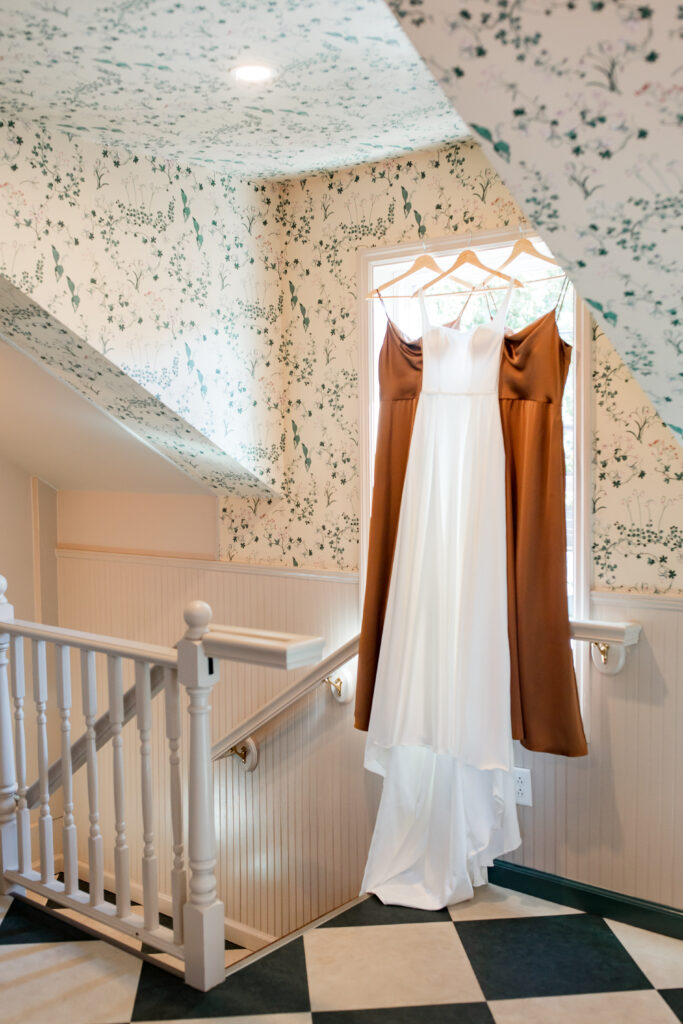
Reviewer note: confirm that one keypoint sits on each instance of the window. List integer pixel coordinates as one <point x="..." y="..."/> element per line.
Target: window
<point x="543" y="282"/>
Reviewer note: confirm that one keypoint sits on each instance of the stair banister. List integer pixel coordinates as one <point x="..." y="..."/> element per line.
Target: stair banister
<point x="284" y="700"/>
<point x="196" y="942"/>
<point x="105" y="730"/>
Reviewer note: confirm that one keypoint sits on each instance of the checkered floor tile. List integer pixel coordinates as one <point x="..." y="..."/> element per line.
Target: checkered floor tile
<point x="501" y="958"/>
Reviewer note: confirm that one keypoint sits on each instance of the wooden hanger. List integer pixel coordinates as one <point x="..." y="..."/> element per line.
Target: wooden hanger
<point x="469" y="256"/>
<point x="525" y="246"/>
<point x="423" y="262"/>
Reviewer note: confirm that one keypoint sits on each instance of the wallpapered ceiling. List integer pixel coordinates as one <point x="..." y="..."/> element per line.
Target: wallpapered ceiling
<point x="577" y="105"/>
<point x="169" y="271"/>
<point x="350" y="85"/>
<point x="235" y="303"/>
<point x="30" y="328"/>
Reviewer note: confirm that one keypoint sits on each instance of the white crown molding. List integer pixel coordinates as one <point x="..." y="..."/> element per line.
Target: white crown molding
<point x="209" y="565"/>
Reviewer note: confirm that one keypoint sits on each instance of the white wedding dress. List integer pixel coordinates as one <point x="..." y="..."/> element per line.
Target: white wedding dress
<point x="440" y="730"/>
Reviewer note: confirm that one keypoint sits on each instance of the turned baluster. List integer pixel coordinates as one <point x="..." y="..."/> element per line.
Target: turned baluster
<point x="121" y="854"/>
<point x="45" y="839"/>
<point x="18" y="679"/>
<point x="63" y="670"/>
<point x="95" y="849"/>
<point x="178" y="872"/>
<point x="150" y="872"/>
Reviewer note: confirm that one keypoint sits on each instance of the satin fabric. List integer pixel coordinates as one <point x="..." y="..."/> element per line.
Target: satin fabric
<point x="400" y="382"/>
<point x="545" y="708"/>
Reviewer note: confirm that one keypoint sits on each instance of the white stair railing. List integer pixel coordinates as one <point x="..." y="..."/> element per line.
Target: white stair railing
<point x="196" y="939"/>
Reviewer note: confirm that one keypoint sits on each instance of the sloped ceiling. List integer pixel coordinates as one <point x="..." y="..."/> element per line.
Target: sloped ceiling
<point x="59" y="436"/>
<point x="578" y="106"/>
<point x="31" y="329"/>
<point x="154" y="77"/>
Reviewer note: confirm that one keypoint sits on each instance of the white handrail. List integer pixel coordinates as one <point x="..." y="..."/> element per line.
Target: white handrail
<point x="284" y="700"/>
<point x="260" y="647"/>
<point x="596" y="632"/>
<point x="166" y="656"/>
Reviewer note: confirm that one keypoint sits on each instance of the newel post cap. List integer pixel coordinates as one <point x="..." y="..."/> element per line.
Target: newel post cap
<point x="197" y="617"/>
<point x="6" y="609"/>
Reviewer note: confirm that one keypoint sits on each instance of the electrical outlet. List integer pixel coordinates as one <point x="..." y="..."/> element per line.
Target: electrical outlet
<point x="522" y="778"/>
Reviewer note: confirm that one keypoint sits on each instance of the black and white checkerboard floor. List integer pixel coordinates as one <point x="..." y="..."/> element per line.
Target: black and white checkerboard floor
<point x="502" y="958"/>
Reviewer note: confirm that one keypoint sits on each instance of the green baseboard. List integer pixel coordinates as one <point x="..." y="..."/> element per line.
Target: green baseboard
<point x="656" y="917"/>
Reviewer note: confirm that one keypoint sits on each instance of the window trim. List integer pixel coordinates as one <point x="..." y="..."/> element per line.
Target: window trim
<point x="368" y="260"/>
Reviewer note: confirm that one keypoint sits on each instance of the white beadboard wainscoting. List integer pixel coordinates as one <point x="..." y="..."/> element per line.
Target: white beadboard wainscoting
<point x="293" y="836"/>
<point x="614" y="819"/>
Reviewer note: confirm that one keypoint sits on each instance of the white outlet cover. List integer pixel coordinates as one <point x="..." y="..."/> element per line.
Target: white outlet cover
<point x="522" y="781"/>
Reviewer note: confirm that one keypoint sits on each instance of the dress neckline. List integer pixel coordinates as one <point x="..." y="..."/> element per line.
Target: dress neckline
<point x="521" y="336"/>
<point x="415" y="344"/>
<point x="402" y="336"/>
<point x="500" y="316"/>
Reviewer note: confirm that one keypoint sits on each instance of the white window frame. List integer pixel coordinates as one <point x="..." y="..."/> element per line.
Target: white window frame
<point x="369" y="259"/>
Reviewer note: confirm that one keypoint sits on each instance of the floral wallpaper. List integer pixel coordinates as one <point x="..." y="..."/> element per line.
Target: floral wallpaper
<point x="155" y="77"/>
<point x="169" y="271"/>
<point x="577" y="106"/>
<point x="326" y="220"/>
<point x="637" y="484"/>
<point x="234" y="305"/>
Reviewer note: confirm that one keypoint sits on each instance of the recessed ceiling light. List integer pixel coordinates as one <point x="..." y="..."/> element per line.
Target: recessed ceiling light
<point x="253" y="73"/>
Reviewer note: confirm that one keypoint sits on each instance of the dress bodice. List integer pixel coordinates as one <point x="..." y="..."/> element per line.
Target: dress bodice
<point x="462" y="362"/>
<point x="535" y="362"/>
<point x="400" y="366"/>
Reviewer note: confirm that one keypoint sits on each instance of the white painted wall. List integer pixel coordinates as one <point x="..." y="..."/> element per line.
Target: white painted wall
<point x="614" y="819"/>
<point x="178" y="525"/>
<point x="28" y="532"/>
<point x="16" y="536"/>
<point x="44" y="515"/>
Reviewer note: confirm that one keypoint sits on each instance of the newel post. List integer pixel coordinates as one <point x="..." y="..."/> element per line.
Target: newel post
<point x="9" y="854"/>
<point x="203" y="915"/>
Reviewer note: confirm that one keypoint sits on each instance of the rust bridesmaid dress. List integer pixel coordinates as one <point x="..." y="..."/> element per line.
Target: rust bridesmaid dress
<point x="545" y="706"/>
<point x="400" y="383"/>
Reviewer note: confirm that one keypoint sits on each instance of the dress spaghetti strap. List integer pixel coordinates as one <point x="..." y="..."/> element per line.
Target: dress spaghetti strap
<point x="502" y="312"/>
<point x="423" y="310"/>
<point x="561" y="297"/>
